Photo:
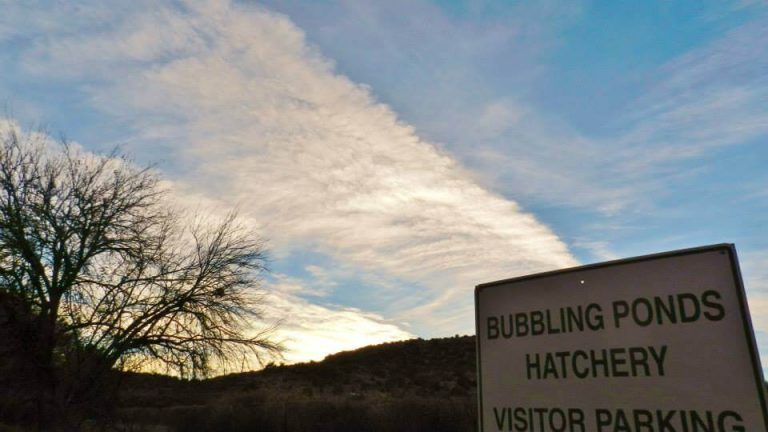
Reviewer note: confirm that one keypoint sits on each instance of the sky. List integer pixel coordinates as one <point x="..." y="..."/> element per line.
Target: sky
<point x="396" y="154"/>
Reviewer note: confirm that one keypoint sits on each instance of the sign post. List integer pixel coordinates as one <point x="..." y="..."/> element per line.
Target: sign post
<point x="661" y="343"/>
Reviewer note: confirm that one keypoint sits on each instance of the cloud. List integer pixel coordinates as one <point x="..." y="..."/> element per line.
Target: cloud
<point x="8" y="126"/>
<point x="311" y="331"/>
<point x="252" y="115"/>
<point x="708" y="98"/>
<point x="246" y="112"/>
<point x="307" y="331"/>
<point x="693" y="107"/>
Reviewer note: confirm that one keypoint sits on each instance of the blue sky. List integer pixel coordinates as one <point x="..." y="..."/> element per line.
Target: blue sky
<point x="397" y="153"/>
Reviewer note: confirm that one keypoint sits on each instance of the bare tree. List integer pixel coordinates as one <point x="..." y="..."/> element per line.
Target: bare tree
<point x="112" y="279"/>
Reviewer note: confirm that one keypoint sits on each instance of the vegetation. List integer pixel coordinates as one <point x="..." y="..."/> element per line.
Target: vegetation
<point x="416" y="385"/>
<point x="100" y="279"/>
<point x="98" y="276"/>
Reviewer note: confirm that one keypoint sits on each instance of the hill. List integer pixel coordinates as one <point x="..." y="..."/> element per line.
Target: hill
<point x="414" y="385"/>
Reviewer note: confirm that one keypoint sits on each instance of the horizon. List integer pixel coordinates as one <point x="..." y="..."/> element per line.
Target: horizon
<point x="394" y="155"/>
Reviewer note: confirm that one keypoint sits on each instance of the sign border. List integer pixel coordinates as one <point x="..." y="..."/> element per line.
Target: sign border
<point x="729" y="248"/>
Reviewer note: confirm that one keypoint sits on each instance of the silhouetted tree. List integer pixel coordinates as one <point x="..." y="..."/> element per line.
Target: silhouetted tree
<point x="107" y="277"/>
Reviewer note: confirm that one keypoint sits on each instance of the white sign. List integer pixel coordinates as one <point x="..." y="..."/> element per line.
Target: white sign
<point x="661" y="343"/>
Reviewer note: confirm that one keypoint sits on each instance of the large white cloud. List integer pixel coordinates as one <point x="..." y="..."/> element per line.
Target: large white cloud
<point x="307" y="331"/>
<point x="253" y="116"/>
<point x="311" y="331"/>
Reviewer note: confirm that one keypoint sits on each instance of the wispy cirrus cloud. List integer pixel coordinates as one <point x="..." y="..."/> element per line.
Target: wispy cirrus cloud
<point x="243" y="110"/>
<point x="251" y="115"/>
<point x="308" y="331"/>
<point x="711" y="97"/>
<point x="708" y="99"/>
